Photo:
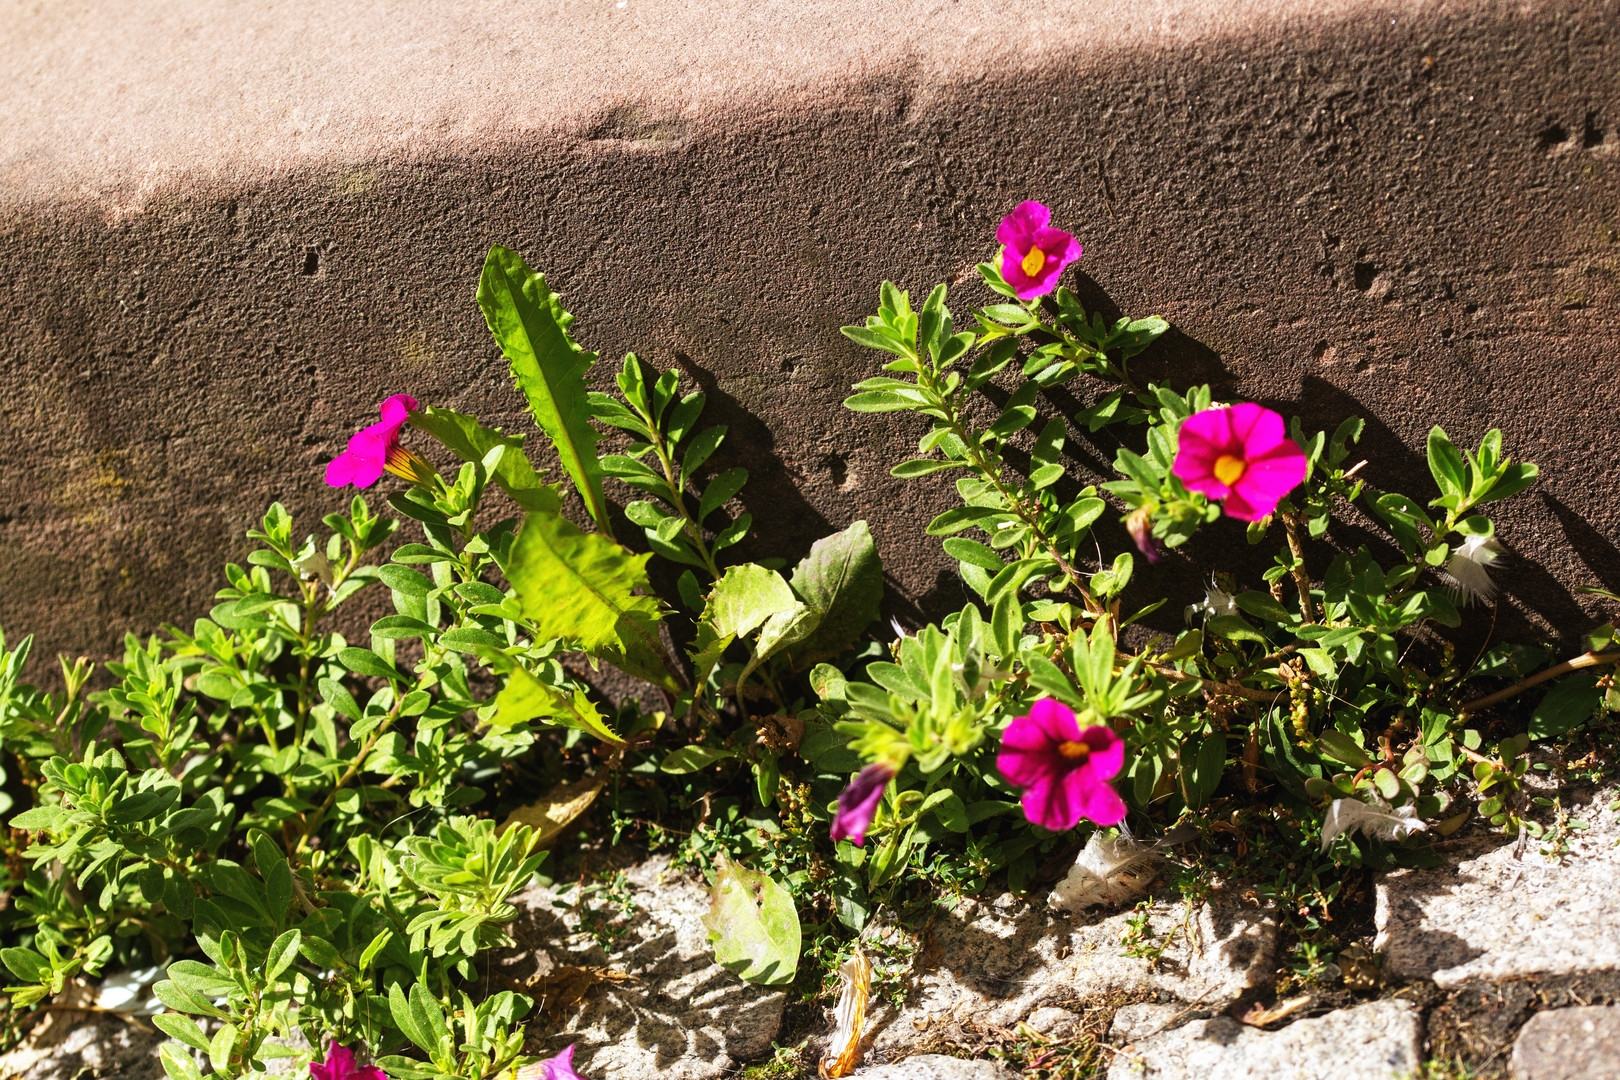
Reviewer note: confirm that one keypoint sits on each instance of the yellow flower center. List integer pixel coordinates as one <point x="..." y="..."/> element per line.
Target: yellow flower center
<point x="1229" y="469"/>
<point x="1074" y="751"/>
<point x="1033" y="261"/>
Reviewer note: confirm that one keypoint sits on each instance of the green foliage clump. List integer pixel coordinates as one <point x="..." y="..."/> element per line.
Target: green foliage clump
<point x="300" y="828"/>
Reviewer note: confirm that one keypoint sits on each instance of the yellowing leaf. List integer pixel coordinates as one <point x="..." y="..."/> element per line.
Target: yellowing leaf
<point x="753" y="925"/>
<point x="526" y="698"/>
<point x="550" y="815"/>
<point x="580" y="586"/>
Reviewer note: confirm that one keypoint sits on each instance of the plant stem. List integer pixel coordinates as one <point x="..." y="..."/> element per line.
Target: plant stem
<point x="1213" y="687"/>
<point x="1302" y="580"/>
<point x="976" y="458"/>
<point x="1585" y="660"/>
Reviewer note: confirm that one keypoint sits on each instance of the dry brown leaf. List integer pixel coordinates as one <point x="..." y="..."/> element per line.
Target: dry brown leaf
<point x="1259" y="1016"/>
<point x="549" y="816"/>
<point x="844" y="1049"/>
<point x="564" y="986"/>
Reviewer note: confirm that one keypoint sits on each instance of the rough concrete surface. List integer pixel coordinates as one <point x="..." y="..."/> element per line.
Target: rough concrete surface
<point x="652" y="1001"/>
<point x="1381" y="1040"/>
<point x="1568" y="1044"/>
<point x="998" y="963"/>
<point x="1499" y="911"/>
<point x="227" y="230"/>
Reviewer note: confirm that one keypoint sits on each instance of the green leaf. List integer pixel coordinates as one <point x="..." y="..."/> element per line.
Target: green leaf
<point x="365" y="662"/>
<point x="178" y="1064"/>
<point x="201" y="979"/>
<point x="744" y="597"/>
<point x="1446" y="464"/>
<point x="283" y="951"/>
<point x="1513" y="479"/>
<point x="1570" y="703"/>
<point x="183" y="1028"/>
<point x="399" y="1007"/>
<point x="1264" y="606"/>
<point x="720" y="491"/>
<point x="841" y="580"/>
<point x="526" y="698"/>
<point x="580" y="586"/>
<point x="690" y="759"/>
<point x="874" y="401"/>
<point x="963" y="517"/>
<point x="753" y="926"/>
<point x="973" y="553"/>
<point x="922" y="467"/>
<point x="1341" y="747"/>
<point x="26" y="964"/>
<point x="464" y="437"/>
<point x="528" y="321"/>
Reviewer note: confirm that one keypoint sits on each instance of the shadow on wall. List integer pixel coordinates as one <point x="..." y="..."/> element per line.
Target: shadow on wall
<point x="1308" y="206"/>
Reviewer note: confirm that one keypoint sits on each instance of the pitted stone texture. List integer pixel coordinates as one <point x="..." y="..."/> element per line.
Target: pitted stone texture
<point x="937" y="1067"/>
<point x="1496" y="912"/>
<point x="997" y="963"/>
<point x="224" y="238"/>
<point x="1378" y="1041"/>
<point x="1568" y="1044"/>
<point x="681" y="1016"/>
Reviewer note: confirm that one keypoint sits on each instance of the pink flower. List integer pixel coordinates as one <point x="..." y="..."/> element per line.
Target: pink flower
<point x="859" y="802"/>
<point x="1064" y="771"/>
<point x="560" y="1067"/>
<point x="339" y="1065"/>
<point x="1239" y="454"/>
<point x="1033" y="255"/>
<point x="375" y="449"/>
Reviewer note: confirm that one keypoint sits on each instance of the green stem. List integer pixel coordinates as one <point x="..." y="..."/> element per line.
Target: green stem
<point x="977" y="459"/>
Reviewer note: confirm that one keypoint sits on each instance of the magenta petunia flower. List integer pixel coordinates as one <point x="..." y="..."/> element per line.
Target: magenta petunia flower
<point x="1032" y="254"/>
<point x="1064" y="771"/>
<point x="339" y="1065"/>
<point x="376" y="449"/>
<point x="1239" y="454"/>
<point x="560" y="1067"/>
<point x="859" y="802"/>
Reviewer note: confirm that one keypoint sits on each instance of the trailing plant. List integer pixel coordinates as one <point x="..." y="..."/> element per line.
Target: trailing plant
<point x="302" y="830"/>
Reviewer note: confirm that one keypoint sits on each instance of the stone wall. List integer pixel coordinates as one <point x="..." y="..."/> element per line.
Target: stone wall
<point x="228" y="230"/>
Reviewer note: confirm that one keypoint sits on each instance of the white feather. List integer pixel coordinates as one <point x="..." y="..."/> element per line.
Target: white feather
<point x="1469" y="567"/>
<point x="1111" y="871"/>
<point x="1348" y="816"/>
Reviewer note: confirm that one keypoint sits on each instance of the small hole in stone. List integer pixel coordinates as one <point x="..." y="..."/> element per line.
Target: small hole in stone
<point x="1364" y="275"/>
<point x="1320" y="350"/>
<point x="1552" y="135"/>
<point x="1591" y="135"/>
<point x="312" y="262"/>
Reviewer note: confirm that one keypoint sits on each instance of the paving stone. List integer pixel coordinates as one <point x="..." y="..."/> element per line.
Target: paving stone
<point x="679" y="1016"/>
<point x="998" y="963"/>
<point x="1499" y="911"/>
<point x="937" y="1067"/>
<point x="83" y="1049"/>
<point x="1135" y="1022"/>
<point x="1052" y="1021"/>
<point x="1568" y="1044"/>
<point x="1377" y="1041"/>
